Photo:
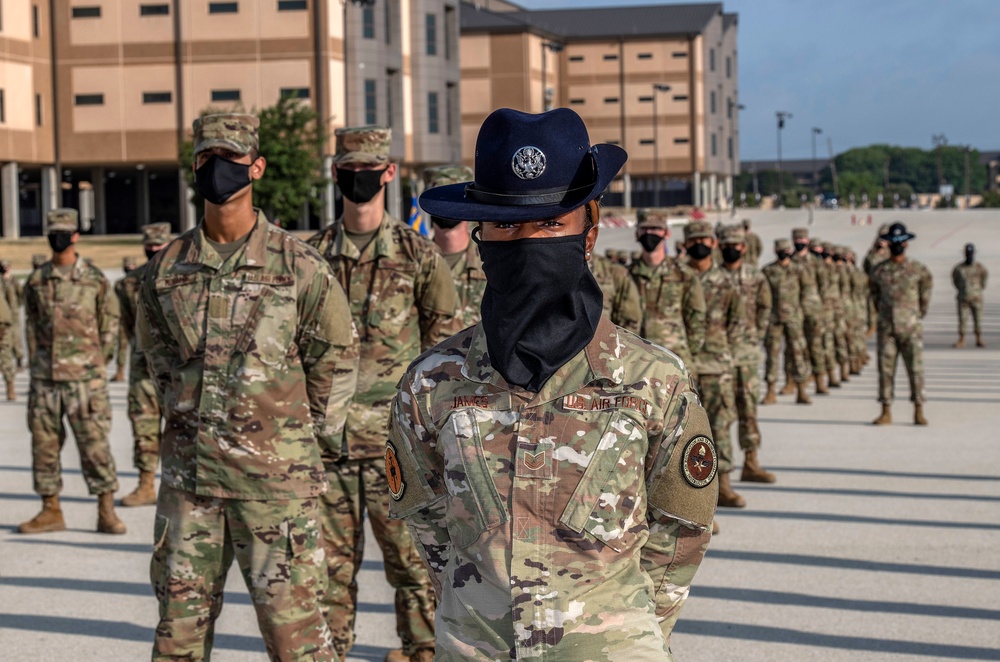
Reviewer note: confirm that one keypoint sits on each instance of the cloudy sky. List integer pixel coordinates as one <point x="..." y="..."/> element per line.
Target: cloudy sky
<point x="864" y="71"/>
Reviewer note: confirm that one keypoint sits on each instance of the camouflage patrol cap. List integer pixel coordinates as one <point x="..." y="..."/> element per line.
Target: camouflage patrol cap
<point x="782" y="245"/>
<point x="129" y="263"/>
<point x="363" y="144"/>
<point x="63" y="220"/>
<point x="38" y="260"/>
<point x="829" y="248"/>
<point x="883" y="229"/>
<point x="698" y="230"/>
<point x="235" y="131"/>
<point x="651" y="218"/>
<point x="732" y="234"/>
<point x="155" y="234"/>
<point x="5" y="264"/>
<point x="447" y="174"/>
<point x="800" y="233"/>
<point x="815" y="242"/>
<point x="745" y="223"/>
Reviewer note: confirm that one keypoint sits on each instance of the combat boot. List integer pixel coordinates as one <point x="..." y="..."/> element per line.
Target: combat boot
<point x="119" y="374"/>
<point x="107" y="520"/>
<point x="845" y="372"/>
<point x="49" y="519"/>
<point x="960" y="343"/>
<point x="979" y="340"/>
<point x="422" y="655"/>
<point x="727" y="497"/>
<point x="715" y="527"/>
<point x="886" y="417"/>
<point x="789" y="388"/>
<point x="803" y="397"/>
<point x="918" y="415"/>
<point x="821" y="388"/>
<point x="11" y="392"/>
<point x="771" y="396"/>
<point x="752" y="471"/>
<point x="855" y="366"/>
<point x="831" y="378"/>
<point x="144" y="494"/>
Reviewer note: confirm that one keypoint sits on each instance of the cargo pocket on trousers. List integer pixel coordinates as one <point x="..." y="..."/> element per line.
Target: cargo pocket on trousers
<point x="158" y="568"/>
<point x="306" y="566"/>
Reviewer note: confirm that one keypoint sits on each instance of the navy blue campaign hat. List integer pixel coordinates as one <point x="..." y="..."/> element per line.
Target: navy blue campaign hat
<point x="528" y="167"/>
<point x="897" y="234"/>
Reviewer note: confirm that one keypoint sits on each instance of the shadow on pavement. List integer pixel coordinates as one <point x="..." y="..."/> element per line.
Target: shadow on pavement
<point x="858" y="519"/>
<point x="752" y="487"/>
<point x="852" y="564"/>
<point x="877" y="472"/>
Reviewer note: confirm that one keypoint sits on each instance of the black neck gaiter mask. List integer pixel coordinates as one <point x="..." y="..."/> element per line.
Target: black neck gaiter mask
<point x="359" y="186"/>
<point x="541" y="305"/>
<point x="649" y="241"/>
<point x="219" y="179"/>
<point x="897" y="249"/>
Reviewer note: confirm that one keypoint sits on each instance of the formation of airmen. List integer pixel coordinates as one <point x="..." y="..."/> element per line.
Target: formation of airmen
<point x="515" y="371"/>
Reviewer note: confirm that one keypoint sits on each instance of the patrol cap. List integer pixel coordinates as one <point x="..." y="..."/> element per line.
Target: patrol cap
<point x="897" y="234"/>
<point x="815" y="242"/>
<point x="745" y="223"/>
<point x="38" y="260"/>
<point x="829" y="248"/>
<point x="129" y="263"/>
<point x="782" y="245"/>
<point x="5" y="264"/>
<point x="155" y="234"/>
<point x="447" y="174"/>
<point x="363" y="144"/>
<point x="698" y="230"/>
<point x="651" y="218"/>
<point x="800" y="233"/>
<point x="732" y="234"/>
<point x="63" y="220"/>
<point x="235" y="131"/>
<point x="883" y="229"/>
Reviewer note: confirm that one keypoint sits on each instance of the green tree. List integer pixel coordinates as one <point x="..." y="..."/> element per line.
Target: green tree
<point x="883" y="168"/>
<point x="291" y="139"/>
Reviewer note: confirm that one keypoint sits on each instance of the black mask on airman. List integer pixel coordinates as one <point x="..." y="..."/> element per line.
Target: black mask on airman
<point x="801" y="245"/>
<point x="649" y="241"/>
<point x="970" y="254"/>
<point x="783" y="255"/>
<point x="699" y="251"/>
<point x="60" y="240"/>
<point x="897" y="249"/>
<point x="359" y="186"/>
<point x="219" y="179"/>
<point x="731" y="254"/>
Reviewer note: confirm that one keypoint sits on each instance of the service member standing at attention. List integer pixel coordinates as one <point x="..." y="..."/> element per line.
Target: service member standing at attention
<point x="901" y="288"/>
<point x="143" y="407"/>
<point x="556" y="471"/>
<point x="969" y="278"/>
<point x="452" y="239"/>
<point x="403" y="303"/>
<point x="11" y="352"/>
<point x="786" y="281"/>
<point x="621" y="298"/>
<point x="812" y="311"/>
<point x="754" y="245"/>
<point x="251" y="348"/>
<point x="14" y="292"/>
<point x="72" y="315"/>
<point x="125" y="334"/>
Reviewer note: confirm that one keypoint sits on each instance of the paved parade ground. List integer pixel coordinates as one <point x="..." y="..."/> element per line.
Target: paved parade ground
<point x="876" y="543"/>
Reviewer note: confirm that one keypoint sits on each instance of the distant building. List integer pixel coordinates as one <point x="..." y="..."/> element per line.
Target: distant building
<point x="803" y="170"/>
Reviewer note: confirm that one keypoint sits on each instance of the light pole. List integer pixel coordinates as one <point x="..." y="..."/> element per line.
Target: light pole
<point x="547" y="46"/>
<point x="815" y="132"/>
<point x="657" y="87"/>
<point x="782" y="116"/>
<point x="733" y="107"/>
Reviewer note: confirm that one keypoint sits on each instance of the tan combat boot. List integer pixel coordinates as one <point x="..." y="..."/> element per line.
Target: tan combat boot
<point x="821" y="388"/>
<point x="49" y="519"/>
<point x="831" y="379"/>
<point x="979" y="340"/>
<point x="789" y="386"/>
<point x="855" y="366"/>
<point x="422" y="655"/>
<point x="918" y="415"/>
<point x="803" y="397"/>
<point x="727" y="497"/>
<point x="144" y="494"/>
<point x="11" y="392"/>
<point x="119" y="374"/>
<point x="845" y="372"/>
<point x="752" y="471"/>
<point x="107" y="520"/>
<point x="960" y="343"/>
<point x="886" y="417"/>
<point x="771" y="396"/>
<point x="715" y="527"/>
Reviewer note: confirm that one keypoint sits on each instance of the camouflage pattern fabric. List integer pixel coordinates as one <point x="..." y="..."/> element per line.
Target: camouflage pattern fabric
<point x="232" y="131"/>
<point x="470" y="284"/>
<point x="621" y="297"/>
<point x="673" y="307"/>
<point x="8" y="331"/>
<point x="276" y="544"/>
<point x="970" y="281"/>
<point x="365" y="144"/>
<point x="62" y="220"/>
<point x="155" y="234"/>
<point x="557" y="524"/>
<point x="812" y="310"/>
<point x="13" y="292"/>
<point x="755" y="291"/>
<point x="124" y="333"/>
<point x="786" y="283"/>
<point x="447" y="174"/>
<point x="254" y="358"/>
<point x="755" y="247"/>
<point x="862" y="300"/>
<point x="358" y="485"/>
<point x="902" y="293"/>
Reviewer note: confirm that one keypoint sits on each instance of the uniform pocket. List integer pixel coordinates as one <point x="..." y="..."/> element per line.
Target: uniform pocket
<point x="182" y="302"/>
<point x="390" y="308"/>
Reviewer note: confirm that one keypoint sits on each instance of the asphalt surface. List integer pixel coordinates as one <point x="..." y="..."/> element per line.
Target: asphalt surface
<point x="874" y="544"/>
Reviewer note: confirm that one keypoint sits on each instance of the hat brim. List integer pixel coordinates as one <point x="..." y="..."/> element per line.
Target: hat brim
<point x="218" y="142"/>
<point x="364" y="159"/>
<point x="451" y="201"/>
<point x="900" y="239"/>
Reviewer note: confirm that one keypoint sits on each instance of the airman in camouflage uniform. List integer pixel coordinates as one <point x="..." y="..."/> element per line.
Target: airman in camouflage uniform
<point x="787" y="282"/>
<point x="129" y="264"/>
<point x="862" y="301"/>
<point x="673" y="302"/>
<point x="812" y="310"/>
<point x="11" y="347"/>
<point x="835" y="306"/>
<point x="37" y="260"/>
<point x="714" y="363"/>
<point x="556" y="519"/>
<point x="754" y="245"/>
<point x="621" y="298"/>
<point x="901" y="288"/>
<point x="969" y="278"/>
<point x="7" y="331"/>
<point x="755" y="291"/>
<point x="829" y="292"/>
<point x="403" y="302"/>
<point x="72" y="316"/>
<point x="143" y="407"/>
<point x="878" y="253"/>
<point x="250" y="345"/>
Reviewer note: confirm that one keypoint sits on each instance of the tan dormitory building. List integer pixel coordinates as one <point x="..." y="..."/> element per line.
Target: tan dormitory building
<point x="100" y="130"/>
<point x="613" y="65"/>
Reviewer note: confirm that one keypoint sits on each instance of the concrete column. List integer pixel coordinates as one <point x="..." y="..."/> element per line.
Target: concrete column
<point x="713" y="190"/>
<point x="100" y="204"/>
<point x="141" y="198"/>
<point x="188" y="213"/>
<point x="329" y="195"/>
<point x="394" y="203"/>
<point x="696" y="189"/>
<point x="627" y="191"/>
<point x="10" y="192"/>
<point x="51" y="191"/>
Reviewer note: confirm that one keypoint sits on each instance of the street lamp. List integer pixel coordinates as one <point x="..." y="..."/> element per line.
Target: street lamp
<point x="547" y="46"/>
<point x="782" y="116"/>
<point x="733" y="106"/>
<point x="815" y="132"/>
<point x="657" y="87"/>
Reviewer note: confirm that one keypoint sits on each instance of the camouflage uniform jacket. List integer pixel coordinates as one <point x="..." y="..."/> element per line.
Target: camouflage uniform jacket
<point x="786" y="291"/>
<point x="970" y="281"/>
<point x="673" y="304"/>
<point x="6" y="314"/>
<point x="756" y="294"/>
<point x="755" y="247"/>
<point x="73" y="322"/>
<point x="621" y="298"/>
<point x="403" y="302"/>
<point x="812" y="304"/>
<point x="875" y="257"/>
<point x="470" y="283"/>
<point x="13" y="294"/>
<point x="127" y="290"/>
<point x="556" y="525"/>
<point x="724" y="325"/>
<point x="861" y="291"/>
<point x="902" y="293"/>
<point x="254" y="359"/>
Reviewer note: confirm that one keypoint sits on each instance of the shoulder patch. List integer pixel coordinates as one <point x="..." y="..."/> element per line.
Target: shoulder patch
<point x="698" y="463"/>
<point x="394" y="473"/>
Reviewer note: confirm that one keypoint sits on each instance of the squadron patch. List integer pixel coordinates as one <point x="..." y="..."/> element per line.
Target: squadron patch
<point x="394" y="473"/>
<point x="698" y="462"/>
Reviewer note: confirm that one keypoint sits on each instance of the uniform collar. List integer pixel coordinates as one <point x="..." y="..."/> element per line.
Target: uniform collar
<point x="76" y="273"/>
<point x="381" y="246"/>
<point x="254" y="253"/>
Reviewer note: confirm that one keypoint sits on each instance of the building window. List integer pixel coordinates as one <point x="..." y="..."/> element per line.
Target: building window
<point x="576" y="58"/>
<point x="368" y="22"/>
<point x="154" y="10"/>
<point x="711" y="59"/>
<point x="610" y="57"/>
<point x="35" y="22"/>
<point x="611" y="142"/>
<point x="3" y="107"/>
<point x="86" y="12"/>
<point x="225" y="95"/>
<point x="645" y="99"/>
<point x="729" y="67"/>
<point x="680" y="97"/>
<point x="223" y="7"/>
<point x="432" y="112"/>
<point x="729" y="147"/>
<point x="729" y="108"/>
<point x="390" y="95"/>
<point x="711" y="102"/>
<point x="644" y="56"/>
<point x="371" y="105"/>
<point x="89" y="99"/>
<point x="388" y="22"/>
<point x="156" y="97"/>
<point x="292" y="5"/>
<point x="38" y="109"/>
<point x="714" y="145"/>
<point x="680" y="141"/>
<point x="430" y="34"/>
<point x="451" y="103"/>
<point x="610" y="99"/>
<point x="577" y="102"/>
<point x="646" y="141"/>
<point x="295" y="93"/>
<point x="679" y="54"/>
<point x="450" y="28"/>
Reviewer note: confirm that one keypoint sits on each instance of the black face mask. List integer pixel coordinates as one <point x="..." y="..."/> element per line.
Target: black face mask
<point x="541" y="305"/>
<point x="897" y="249"/>
<point x="731" y="254"/>
<point x="445" y="223"/>
<point x="219" y="179"/>
<point x="818" y="256"/>
<point x="801" y="246"/>
<point x="699" y="251"/>
<point x="60" y="241"/>
<point x="783" y="255"/>
<point x="970" y="257"/>
<point x="150" y="252"/>
<point x="649" y="241"/>
<point x="359" y="186"/>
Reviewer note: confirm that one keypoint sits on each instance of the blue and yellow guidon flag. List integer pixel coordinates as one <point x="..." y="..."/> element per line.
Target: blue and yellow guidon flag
<point x="417" y="221"/>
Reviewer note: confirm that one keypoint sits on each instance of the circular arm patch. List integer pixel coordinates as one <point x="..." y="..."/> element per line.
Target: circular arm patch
<point x="393" y="473"/>
<point x="698" y="462"/>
